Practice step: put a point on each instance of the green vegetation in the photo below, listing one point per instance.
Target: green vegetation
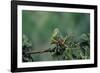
(49, 36)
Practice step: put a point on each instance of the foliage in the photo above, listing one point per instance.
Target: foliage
(70, 47)
(26, 46)
(61, 48)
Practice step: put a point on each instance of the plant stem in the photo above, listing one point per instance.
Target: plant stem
(42, 51)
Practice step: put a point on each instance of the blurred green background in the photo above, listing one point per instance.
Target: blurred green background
(38, 26)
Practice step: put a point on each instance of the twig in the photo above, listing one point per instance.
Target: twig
(42, 51)
(48, 50)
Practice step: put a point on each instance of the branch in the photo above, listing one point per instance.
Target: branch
(42, 51)
(47, 50)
